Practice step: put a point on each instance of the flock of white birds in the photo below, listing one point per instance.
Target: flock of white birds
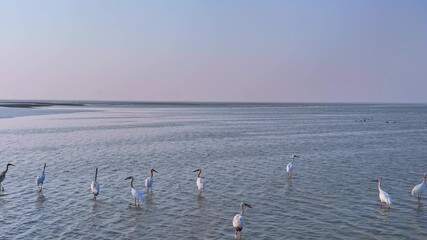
(383, 196)
(138, 195)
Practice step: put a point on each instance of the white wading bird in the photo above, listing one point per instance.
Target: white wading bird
(40, 179)
(419, 188)
(238, 219)
(384, 197)
(136, 193)
(94, 186)
(3, 175)
(200, 180)
(149, 180)
(290, 166)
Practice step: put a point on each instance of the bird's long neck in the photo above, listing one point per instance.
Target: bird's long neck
(131, 183)
(152, 173)
(7, 168)
(44, 168)
(425, 178)
(200, 172)
(379, 185)
(242, 210)
(96, 173)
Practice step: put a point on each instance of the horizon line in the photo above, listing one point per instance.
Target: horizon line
(198, 102)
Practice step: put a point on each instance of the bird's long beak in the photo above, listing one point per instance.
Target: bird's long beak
(247, 205)
(196, 170)
(12, 165)
(155, 171)
(128, 178)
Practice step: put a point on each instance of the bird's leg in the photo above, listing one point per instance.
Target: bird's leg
(135, 201)
(235, 234)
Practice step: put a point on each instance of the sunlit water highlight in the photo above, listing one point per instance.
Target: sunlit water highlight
(243, 152)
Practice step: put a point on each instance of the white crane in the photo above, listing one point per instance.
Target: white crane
(40, 179)
(149, 181)
(290, 166)
(384, 197)
(136, 193)
(200, 181)
(238, 220)
(94, 186)
(419, 188)
(3, 175)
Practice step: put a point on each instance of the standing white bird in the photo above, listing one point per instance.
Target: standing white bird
(40, 179)
(384, 197)
(149, 180)
(94, 186)
(290, 166)
(3, 175)
(419, 188)
(136, 193)
(238, 219)
(200, 181)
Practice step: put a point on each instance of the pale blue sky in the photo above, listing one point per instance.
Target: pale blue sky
(280, 51)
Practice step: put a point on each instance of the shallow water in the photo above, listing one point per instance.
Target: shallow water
(242, 150)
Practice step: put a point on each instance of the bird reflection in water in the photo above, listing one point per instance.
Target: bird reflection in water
(40, 199)
(201, 200)
(384, 213)
(149, 199)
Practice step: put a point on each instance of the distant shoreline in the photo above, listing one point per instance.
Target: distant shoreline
(150, 104)
(37, 104)
(66, 103)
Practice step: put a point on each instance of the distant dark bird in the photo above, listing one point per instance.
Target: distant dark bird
(419, 188)
(200, 181)
(3, 175)
(149, 181)
(40, 178)
(94, 186)
(238, 220)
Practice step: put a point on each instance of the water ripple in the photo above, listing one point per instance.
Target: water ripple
(243, 153)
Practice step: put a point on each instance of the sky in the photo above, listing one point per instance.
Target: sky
(220, 51)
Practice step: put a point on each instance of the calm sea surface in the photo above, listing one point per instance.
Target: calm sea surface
(243, 151)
